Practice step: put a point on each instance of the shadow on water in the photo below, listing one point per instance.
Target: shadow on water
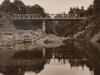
(84, 57)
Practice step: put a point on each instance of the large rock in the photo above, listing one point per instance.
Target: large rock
(96, 38)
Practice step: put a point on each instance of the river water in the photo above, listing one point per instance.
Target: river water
(71, 58)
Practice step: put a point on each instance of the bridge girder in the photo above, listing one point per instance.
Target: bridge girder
(49, 17)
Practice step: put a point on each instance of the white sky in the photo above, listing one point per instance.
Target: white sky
(57, 6)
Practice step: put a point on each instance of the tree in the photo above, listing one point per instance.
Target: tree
(97, 7)
(37, 9)
(19, 7)
(82, 11)
(71, 11)
(90, 10)
(28, 10)
(6, 6)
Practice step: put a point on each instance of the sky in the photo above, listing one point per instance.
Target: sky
(58, 6)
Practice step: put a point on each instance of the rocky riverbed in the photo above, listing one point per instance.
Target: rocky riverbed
(28, 36)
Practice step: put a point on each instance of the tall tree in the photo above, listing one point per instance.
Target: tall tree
(97, 7)
(71, 11)
(82, 11)
(90, 10)
(37, 9)
(6, 6)
(19, 7)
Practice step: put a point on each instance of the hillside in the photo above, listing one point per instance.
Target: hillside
(5, 24)
(91, 31)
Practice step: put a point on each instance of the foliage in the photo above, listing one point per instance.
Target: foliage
(6, 6)
(80, 12)
(97, 7)
(90, 10)
(18, 7)
(94, 9)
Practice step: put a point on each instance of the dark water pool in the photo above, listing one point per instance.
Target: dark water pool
(72, 58)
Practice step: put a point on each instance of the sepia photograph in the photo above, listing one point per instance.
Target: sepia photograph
(49, 37)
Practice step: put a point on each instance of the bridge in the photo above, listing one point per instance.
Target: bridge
(49, 17)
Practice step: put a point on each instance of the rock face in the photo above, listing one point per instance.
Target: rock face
(96, 37)
(50, 40)
(31, 37)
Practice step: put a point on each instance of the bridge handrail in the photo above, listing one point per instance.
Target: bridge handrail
(38, 16)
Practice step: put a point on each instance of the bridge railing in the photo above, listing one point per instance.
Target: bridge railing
(67, 16)
(50, 16)
(24, 16)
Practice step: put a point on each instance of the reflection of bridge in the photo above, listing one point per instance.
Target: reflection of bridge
(17, 62)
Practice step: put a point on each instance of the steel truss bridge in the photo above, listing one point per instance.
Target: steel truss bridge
(48, 17)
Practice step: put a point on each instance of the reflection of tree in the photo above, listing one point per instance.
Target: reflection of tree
(21, 69)
(77, 54)
(23, 61)
(92, 53)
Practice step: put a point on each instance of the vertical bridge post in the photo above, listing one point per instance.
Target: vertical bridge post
(43, 27)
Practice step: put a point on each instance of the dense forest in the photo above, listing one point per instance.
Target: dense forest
(18, 7)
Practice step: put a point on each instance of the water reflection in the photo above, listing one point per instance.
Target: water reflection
(72, 58)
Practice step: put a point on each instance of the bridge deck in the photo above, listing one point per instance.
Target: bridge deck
(83, 18)
(49, 17)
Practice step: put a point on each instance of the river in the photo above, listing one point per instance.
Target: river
(71, 58)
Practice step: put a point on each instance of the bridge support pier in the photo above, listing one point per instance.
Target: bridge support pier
(43, 27)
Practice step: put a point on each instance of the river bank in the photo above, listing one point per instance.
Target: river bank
(29, 36)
